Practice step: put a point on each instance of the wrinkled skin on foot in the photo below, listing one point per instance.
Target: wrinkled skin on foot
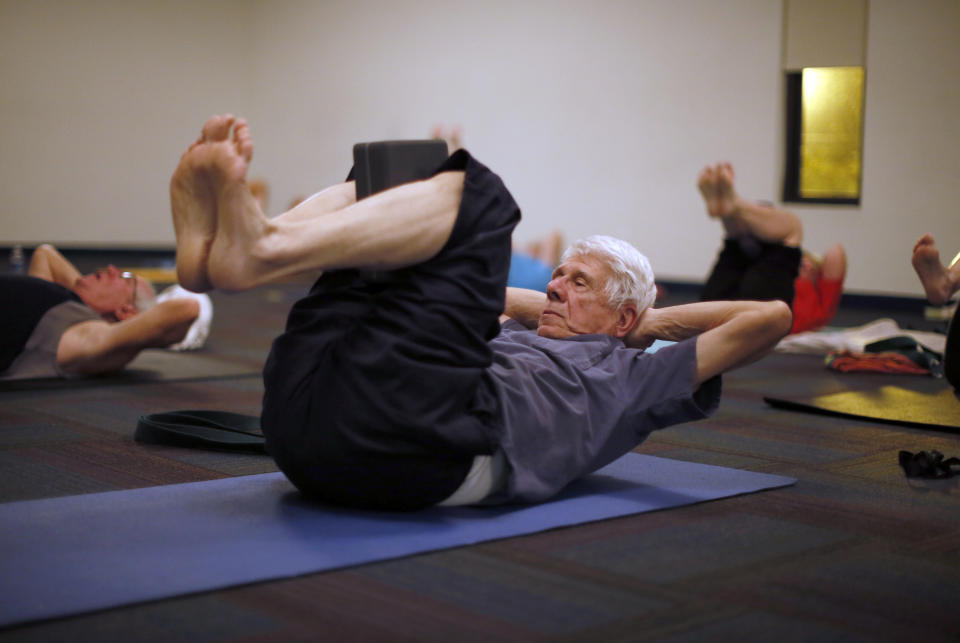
(938, 282)
(218, 158)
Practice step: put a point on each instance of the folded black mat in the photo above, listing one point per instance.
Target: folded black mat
(217, 430)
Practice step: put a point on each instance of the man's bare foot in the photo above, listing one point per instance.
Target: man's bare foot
(716, 186)
(237, 256)
(194, 206)
(707, 184)
(726, 196)
(935, 277)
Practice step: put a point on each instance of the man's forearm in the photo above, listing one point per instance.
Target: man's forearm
(677, 323)
(99, 347)
(730, 333)
(47, 263)
(525, 306)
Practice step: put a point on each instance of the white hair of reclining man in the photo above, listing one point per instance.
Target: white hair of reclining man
(632, 280)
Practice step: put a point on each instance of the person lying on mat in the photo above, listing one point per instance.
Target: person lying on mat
(939, 282)
(59, 323)
(395, 386)
(531, 267)
(762, 259)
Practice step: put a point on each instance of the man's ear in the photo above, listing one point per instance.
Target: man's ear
(627, 318)
(125, 311)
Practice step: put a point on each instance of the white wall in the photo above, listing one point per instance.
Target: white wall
(97, 101)
(911, 148)
(598, 115)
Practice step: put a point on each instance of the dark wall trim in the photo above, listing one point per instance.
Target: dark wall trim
(88, 259)
(691, 291)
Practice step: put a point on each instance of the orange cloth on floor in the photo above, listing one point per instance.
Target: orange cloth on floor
(851, 362)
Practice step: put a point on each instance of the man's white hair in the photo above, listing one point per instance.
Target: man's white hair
(632, 277)
(144, 295)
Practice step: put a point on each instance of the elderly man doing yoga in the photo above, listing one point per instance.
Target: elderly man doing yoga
(432, 383)
(57, 322)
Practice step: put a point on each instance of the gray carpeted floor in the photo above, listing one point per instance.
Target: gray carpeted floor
(854, 551)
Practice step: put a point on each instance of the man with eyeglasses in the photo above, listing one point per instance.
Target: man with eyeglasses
(57, 322)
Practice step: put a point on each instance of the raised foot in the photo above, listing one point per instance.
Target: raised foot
(238, 261)
(716, 186)
(726, 196)
(707, 184)
(215, 159)
(935, 278)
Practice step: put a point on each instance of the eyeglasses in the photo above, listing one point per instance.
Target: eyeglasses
(127, 277)
(130, 278)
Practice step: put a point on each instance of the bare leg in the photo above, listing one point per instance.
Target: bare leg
(551, 248)
(452, 137)
(398, 227)
(741, 216)
(547, 250)
(939, 282)
(326, 201)
(769, 223)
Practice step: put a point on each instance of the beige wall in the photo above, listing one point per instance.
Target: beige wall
(911, 147)
(99, 98)
(597, 115)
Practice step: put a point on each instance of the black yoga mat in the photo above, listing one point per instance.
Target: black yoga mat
(152, 365)
(930, 404)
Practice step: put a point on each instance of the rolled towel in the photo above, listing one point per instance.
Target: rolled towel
(200, 329)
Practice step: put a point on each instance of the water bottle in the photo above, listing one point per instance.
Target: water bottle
(16, 260)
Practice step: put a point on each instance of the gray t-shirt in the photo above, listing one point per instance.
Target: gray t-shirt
(39, 356)
(571, 406)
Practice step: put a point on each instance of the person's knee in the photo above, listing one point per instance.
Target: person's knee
(447, 185)
(793, 230)
(834, 263)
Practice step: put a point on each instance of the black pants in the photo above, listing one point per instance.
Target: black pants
(374, 395)
(748, 268)
(951, 354)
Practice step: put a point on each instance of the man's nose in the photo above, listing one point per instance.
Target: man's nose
(555, 289)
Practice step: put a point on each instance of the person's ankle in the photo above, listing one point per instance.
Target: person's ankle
(737, 205)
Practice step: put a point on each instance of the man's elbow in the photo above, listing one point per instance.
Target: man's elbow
(189, 308)
(187, 311)
(173, 320)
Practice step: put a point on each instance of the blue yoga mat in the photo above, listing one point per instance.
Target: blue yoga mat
(70, 555)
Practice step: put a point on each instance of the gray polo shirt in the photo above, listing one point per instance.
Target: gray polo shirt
(571, 406)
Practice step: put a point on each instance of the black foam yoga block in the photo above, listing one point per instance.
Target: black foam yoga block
(385, 164)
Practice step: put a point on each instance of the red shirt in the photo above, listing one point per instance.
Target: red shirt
(815, 304)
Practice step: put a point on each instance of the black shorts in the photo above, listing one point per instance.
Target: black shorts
(374, 395)
(748, 268)
(951, 353)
